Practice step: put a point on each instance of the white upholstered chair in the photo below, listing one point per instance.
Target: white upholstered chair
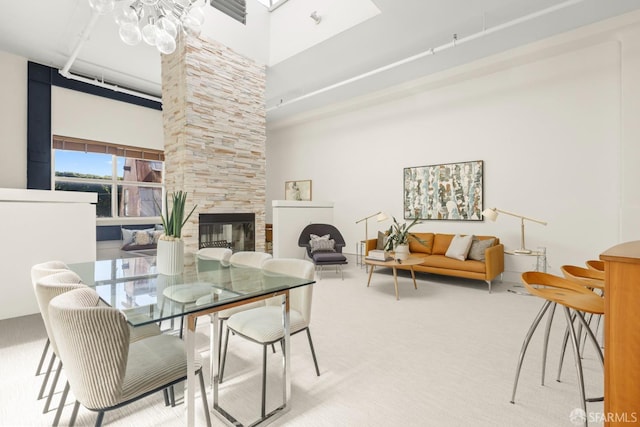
(238, 259)
(104, 369)
(189, 294)
(38, 271)
(47, 287)
(263, 325)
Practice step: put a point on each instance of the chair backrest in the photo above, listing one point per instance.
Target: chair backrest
(249, 258)
(222, 254)
(49, 287)
(45, 269)
(93, 342)
(320, 230)
(299, 298)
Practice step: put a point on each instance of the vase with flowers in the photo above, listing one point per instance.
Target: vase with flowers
(398, 238)
(170, 254)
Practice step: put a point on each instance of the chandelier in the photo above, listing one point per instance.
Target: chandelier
(157, 22)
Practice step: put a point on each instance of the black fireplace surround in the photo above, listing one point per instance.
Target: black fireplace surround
(235, 231)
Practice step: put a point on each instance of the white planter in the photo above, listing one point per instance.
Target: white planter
(401, 252)
(170, 257)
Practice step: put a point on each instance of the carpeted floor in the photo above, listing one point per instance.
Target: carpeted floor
(443, 355)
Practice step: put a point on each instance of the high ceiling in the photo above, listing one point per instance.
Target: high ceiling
(48, 32)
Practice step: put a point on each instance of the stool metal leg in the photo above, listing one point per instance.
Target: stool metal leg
(578, 363)
(525, 344)
(546, 340)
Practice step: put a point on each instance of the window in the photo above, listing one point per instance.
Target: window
(128, 180)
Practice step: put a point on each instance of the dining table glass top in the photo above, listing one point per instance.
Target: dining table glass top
(134, 286)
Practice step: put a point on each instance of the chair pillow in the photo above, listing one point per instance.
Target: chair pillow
(382, 241)
(324, 245)
(476, 251)
(459, 247)
(316, 237)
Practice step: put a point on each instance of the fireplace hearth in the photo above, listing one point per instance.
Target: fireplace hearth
(235, 231)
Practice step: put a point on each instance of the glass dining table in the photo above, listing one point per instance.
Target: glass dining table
(134, 286)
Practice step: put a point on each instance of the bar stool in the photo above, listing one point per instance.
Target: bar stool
(592, 279)
(595, 264)
(571, 296)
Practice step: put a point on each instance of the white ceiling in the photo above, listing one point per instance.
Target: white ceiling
(47, 32)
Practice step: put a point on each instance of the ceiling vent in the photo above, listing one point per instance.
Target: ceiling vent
(237, 9)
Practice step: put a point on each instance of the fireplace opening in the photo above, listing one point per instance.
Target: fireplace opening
(235, 231)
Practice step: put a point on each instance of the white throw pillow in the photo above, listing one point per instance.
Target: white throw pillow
(459, 247)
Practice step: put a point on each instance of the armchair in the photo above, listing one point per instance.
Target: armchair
(323, 254)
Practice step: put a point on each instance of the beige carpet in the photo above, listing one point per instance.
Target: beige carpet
(443, 355)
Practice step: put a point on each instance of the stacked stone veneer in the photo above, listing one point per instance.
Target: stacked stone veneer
(214, 131)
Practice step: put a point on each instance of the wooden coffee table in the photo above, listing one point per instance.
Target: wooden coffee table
(393, 264)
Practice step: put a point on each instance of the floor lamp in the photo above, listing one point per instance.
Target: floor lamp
(380, 216)
(492, 214)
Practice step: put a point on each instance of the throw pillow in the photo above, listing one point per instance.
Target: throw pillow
(316, 237)
(476, 251)
(142, 237)
(323, 245)
(459, 247)
(382, 241)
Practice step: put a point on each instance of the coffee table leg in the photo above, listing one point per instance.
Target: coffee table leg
(370, 273)
(413, 275)
(395, 281)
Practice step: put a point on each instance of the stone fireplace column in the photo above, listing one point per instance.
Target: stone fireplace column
(214, 132)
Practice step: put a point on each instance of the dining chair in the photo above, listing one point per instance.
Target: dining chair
(186, 294)
(263, 325)
(46, 288)
(38, 271)
(238, 260)
(570, 296)
(106, 371)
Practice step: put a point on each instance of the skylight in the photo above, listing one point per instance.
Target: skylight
(272, 4)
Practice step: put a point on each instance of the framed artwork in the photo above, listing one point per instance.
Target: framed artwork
(297, 190)
(452, 191)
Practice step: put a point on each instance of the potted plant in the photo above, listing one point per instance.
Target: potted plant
(170, 258)
(398, 238)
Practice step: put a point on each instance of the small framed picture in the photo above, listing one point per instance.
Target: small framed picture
(297, 190)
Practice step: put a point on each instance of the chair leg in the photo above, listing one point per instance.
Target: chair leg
(224, 356)
(99, 419)
(264, 380)
(578, 363)
(46, 375)
(546, 341)
(43, 357)
(525, 344)
(313, 352)
(220, 331)
(63, 399)
(74, 414)
(52, 389)
(203, 392)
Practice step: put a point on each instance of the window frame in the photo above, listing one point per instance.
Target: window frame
(116, 151)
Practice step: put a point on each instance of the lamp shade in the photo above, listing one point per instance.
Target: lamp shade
(490, 214)
(382, 217)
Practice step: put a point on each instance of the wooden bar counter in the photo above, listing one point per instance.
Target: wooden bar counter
(622, 334)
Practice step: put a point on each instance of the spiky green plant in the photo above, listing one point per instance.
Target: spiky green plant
(173, 219)
(398, 234)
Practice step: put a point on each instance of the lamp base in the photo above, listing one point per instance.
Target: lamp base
(522, 251)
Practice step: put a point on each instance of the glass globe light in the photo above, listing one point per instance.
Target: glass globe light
(165, 42)
(102, 6)
(130, 34)
(197, 14)
(190, 26)
(150, 33)
(168, 25)
(149, 2)
(125, 14)
(184, 3)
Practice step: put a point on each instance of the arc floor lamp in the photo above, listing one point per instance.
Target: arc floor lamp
(492, 214)
(380, 216)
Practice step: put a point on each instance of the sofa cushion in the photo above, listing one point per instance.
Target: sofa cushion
(441, 261)
(459, 247)
(478, 246)
(417, 247)
(441, 243)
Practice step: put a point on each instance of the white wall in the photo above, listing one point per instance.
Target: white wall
(549, 130)
(13, 121)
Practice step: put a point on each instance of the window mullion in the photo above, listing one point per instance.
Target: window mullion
(114, 186)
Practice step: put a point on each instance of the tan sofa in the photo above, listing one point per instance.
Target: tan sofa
(436, 262)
